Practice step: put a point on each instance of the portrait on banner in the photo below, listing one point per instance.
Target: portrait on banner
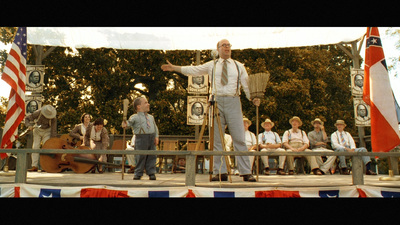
(361, 113)
(34, 78)
(357, 82)
(32, 103)
(198, 84)
(196, 109)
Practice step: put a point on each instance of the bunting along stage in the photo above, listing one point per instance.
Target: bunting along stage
(99, 191)
(378, 95)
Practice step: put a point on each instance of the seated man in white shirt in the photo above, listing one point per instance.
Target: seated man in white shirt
(270, 141)
(343, 141)
(131, 158)
(296, 140)
(250, 138)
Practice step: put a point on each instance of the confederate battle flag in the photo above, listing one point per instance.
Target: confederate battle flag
(378, 94)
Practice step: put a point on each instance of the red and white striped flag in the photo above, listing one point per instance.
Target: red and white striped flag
(378, 94)
(15, 75)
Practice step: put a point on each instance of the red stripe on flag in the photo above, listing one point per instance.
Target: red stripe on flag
(389, 137)
(15, 75)
(377, 93)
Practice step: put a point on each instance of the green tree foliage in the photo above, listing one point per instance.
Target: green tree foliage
(307, 82)
(6, 37)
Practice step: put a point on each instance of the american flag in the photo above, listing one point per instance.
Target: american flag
(15, 75)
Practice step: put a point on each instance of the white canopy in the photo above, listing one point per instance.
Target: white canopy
(190, 38)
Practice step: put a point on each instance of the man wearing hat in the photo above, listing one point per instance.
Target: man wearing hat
(43, 122)
(250, 138)
(343, 141)
(270, 141)
(318, 143)
(296, 140)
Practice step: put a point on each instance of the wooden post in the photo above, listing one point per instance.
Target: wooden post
(357, 170)
(394, 165)
(197, 127)
(21, 170)
(190, 171)
(356, 65)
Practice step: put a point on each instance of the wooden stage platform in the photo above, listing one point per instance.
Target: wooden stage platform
(71, 179)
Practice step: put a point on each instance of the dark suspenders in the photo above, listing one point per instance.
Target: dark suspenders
(237, 67)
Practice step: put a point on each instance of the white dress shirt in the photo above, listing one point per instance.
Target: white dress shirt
(299, 136)
(250, 138)
(269, 137)
(336, 140)
(222, 90)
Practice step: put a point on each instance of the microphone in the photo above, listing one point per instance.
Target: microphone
(214, 53)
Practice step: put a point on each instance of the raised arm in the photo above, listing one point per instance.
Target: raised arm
(170, 67)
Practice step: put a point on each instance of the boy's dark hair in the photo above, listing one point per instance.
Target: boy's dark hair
(136, 102)
(99, 121)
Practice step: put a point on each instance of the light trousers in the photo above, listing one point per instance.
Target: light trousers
(40, 136)
(342, 159)
(265, 158)
(290, 159)
(230, 109)
(131, 158)
(324, 166)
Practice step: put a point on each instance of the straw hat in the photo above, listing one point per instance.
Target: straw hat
(49, 111)
(296, 118)
(338, 122)
(267, 121)
(246, 120)
(317, 120)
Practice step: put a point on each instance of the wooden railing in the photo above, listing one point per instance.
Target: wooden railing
(190, 172)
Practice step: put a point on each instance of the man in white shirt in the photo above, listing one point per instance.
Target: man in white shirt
(343, 141)
(250, 139)
(296, 140)
(132, 160)
(270, 141)
(230, 75)
(228, 148)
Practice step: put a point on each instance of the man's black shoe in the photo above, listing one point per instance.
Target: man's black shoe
(249, 178)
(224, 177)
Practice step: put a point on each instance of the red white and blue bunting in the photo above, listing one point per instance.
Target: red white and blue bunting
(98, 191)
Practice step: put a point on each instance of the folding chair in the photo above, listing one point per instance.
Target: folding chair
(167, 145)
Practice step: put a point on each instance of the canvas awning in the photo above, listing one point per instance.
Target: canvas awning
(191, 38)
